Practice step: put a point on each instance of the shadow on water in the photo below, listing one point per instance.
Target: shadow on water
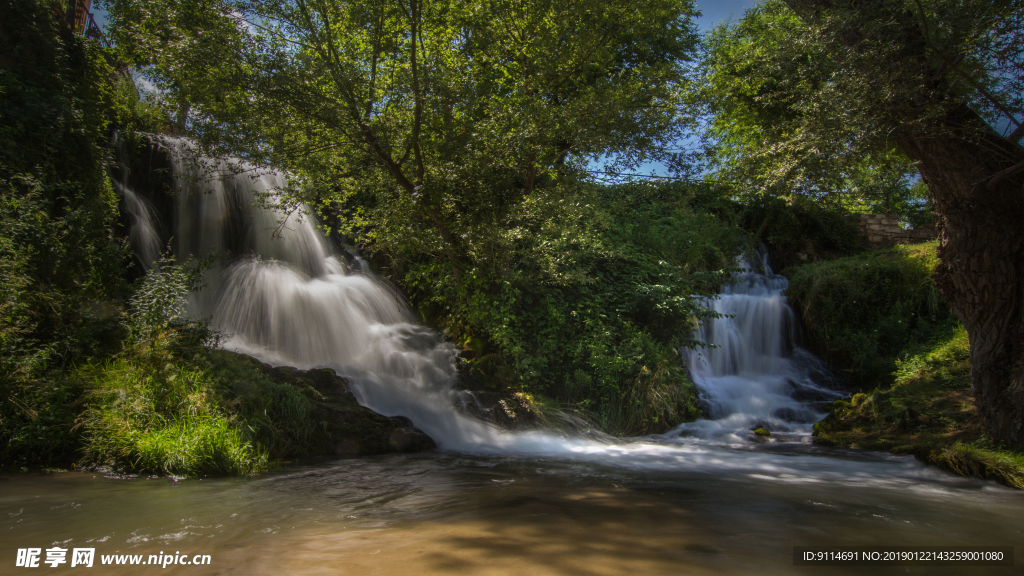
(443, 513)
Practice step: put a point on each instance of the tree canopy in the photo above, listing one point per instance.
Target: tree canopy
(450, 140)
(449, 104)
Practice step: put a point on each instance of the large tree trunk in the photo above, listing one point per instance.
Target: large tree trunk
(976, 180)
(981, 270)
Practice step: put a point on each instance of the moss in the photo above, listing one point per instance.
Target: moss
(928, 412)
(763, 432)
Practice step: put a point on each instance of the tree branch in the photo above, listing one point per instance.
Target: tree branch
(994, 182)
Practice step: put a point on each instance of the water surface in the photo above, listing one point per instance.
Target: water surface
(443, 513)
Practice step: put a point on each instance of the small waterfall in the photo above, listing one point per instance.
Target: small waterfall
(143, 235)
(285, 294)
(752, 374)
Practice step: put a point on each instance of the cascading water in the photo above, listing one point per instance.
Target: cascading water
(287, 296)
(143, 235)
(752, 375)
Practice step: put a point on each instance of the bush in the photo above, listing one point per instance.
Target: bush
(799, 229)
(585, 298)
(929, 412)
(862, 312)
(161, 296)
(163, 419)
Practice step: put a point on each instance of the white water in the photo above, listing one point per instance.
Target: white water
(288, 297)
(753, 375)
(143, 235)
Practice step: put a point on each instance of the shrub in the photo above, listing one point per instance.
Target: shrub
(168, 419)
(161, 296)
(862, 312)
(586, 298)
(799, 228)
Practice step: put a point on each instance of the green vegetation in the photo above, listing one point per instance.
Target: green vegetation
(173, 405)
(799, 229)
(755, 83)
(453, 149)
(863, 312)
(453, 143)
(593, 303)
(879, 317)
(929, 411)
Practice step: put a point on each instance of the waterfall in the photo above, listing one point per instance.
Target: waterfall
(143, 235)
(285, 294)
(752, 374)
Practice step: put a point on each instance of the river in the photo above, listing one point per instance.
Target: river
(710, 497)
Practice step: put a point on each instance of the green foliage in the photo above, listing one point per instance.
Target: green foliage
(861, 312)
(756, 79)
(448, 140)
(163, 419)
(57, 208)
(929, 412)
(173, 406)
(37, 420)
(797, 106)
(799, 229)
(135, 111)
(587, 298)
(160, 298)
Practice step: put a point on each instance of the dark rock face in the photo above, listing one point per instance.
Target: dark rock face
(350, 429)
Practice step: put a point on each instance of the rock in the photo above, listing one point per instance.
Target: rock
(341, 425)
(795, 415)
(410, 439)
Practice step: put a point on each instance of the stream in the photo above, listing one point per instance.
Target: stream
(709, 497)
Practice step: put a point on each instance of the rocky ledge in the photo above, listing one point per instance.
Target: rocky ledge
(346, 427)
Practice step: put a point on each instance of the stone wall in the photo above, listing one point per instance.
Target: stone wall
(883, 230)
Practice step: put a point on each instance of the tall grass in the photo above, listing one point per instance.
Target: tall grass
(164, 419)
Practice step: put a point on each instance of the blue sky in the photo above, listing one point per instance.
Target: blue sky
(712, 11)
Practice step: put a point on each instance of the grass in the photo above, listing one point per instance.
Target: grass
(928, 412)
(152, 411)
(862, 312)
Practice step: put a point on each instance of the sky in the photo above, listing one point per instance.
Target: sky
(713, 11)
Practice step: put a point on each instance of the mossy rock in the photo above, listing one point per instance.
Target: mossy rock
(512, 411)
(340, 424)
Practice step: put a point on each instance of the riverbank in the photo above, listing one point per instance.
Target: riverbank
(172, 405)
(928, 412)
(879, 319)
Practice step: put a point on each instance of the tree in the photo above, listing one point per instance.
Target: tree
(58, 212)
(935, 78)
(449, 139)
(450, 104)
(763, 83)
